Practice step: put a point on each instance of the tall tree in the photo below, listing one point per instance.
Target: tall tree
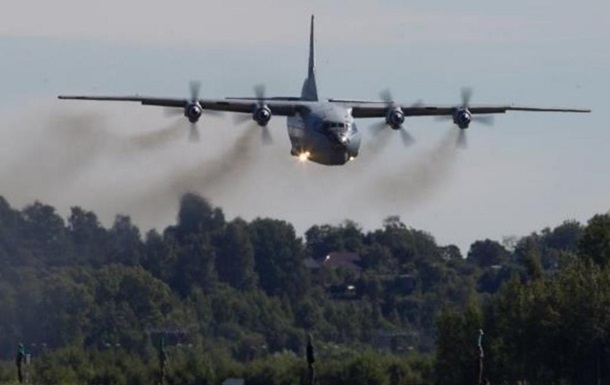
(457, 354)
(125, 244)
(197, 216)
(235, 256)
(46, 233)
(488, 253)
(88, 237)
(595, 242)
(278, 256)
(158, 257)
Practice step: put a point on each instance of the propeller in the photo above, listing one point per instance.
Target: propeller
(386, 97)
(259, 93)
(466, 93)
(197, 111)
(462, 140)
(194, 87)
(466, 116)
(487, 120)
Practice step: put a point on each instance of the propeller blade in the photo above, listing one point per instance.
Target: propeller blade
(194, 133)
(407, 138)
(462, 141)
(386, 96)
(266, 135)
(259, 92)
(487, 120)
(466, 96)
(194, 86)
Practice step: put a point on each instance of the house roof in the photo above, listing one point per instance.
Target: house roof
(341, 259)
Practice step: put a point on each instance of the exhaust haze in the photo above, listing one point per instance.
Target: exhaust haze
(141, 168)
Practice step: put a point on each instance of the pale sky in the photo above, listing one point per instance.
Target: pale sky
(526, 172)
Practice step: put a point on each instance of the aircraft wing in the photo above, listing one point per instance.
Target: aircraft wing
(379, 109)
(279, 107)
(288, 106)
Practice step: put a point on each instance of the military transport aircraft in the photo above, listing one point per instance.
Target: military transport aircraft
(324, 131)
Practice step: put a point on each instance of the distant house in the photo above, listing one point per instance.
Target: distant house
(342, 260)
(319, 269)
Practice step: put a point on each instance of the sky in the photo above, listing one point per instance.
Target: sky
(526, 172)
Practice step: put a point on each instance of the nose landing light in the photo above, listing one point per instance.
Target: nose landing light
(304, 156)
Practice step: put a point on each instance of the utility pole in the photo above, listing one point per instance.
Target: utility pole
(311, 360)
(163, 359)
(20, 361)
(481, 356)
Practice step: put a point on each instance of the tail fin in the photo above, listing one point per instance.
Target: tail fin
(310, 89)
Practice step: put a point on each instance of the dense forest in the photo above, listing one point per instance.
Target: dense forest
(232, 298)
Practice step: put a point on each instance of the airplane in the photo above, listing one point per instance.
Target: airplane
(324, 132)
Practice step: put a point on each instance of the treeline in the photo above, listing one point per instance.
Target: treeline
(210, 281)
(233, 297)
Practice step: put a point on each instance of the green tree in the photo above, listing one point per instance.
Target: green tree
(159, 257)
(235, 256)
(488, 253)
(194, 266)
(11, 223)
(456, 345)
(595, 242)
(67, 306)
(88, 236)
(278, 256)
(46, 234)
(124, 242)
(196, 216)
(564, 237)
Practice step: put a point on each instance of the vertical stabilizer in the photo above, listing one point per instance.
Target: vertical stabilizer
(312, 61)
(310, 89)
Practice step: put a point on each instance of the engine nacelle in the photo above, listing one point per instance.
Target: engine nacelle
(462, 118)
(395, 118)
(262, 115)
(193, 112)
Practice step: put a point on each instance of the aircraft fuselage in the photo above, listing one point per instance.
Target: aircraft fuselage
(324, 133)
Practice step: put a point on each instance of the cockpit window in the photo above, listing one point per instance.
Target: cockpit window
(334, 125)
